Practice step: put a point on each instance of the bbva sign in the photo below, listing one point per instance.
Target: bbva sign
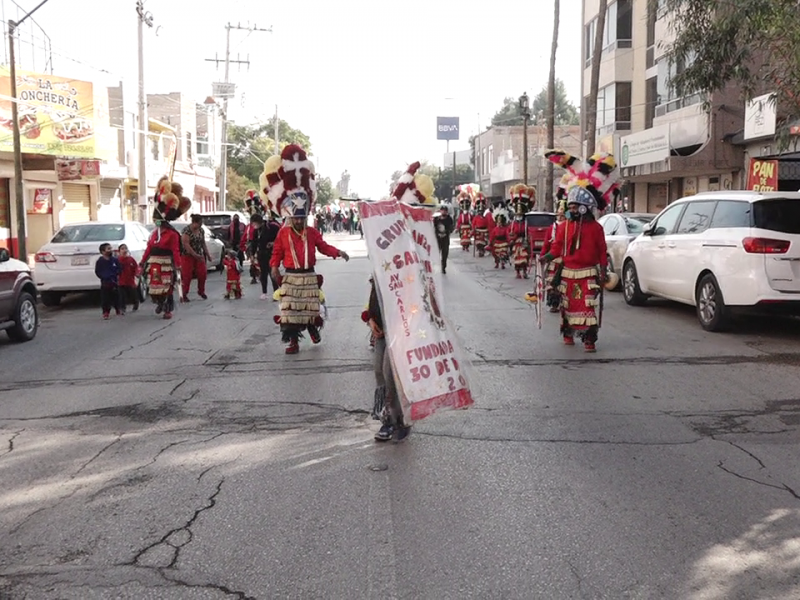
(446, 128)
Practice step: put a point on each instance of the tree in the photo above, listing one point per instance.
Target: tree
(250, 146)
(326, 192)
(551, 106)
(566, 113)
(752, 43)
(509, 115)
(443, 180)
(594, 82)
(237, 189)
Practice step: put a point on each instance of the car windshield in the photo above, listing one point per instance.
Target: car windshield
(94, 232)
(540, 220)
(781, 215)
(216, 220)
(636, 224)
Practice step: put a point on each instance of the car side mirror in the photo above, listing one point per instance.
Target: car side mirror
(4, 256)
(647, 229)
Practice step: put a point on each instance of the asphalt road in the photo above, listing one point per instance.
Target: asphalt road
(141, 458)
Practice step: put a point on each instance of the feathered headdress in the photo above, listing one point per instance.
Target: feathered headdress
(598, 175)
(169, 204)
(415, 188)
(253, 203)
(479, 203)
(498, 212)
(294, 189)
(522, 198)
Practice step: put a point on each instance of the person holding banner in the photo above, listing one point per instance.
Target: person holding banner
(295, 248)
(580, 241)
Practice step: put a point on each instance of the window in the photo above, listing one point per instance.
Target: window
(668, 219)
(696, 217)
(623, 104)
(636, 224)
(104, 232)
(202, 145)
(652, 12)
(540, 220)
(610, 225)
(651, 99)
(589, 33)
(614, 106)
(188, 146)
(731, 214)
(667, 96)
(781, 215)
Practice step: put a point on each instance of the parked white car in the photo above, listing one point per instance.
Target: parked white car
(621, 229)
(215, 246)
(65, 264)
(720, 251)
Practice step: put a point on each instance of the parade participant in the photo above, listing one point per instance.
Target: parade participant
(254, 207)
(480, 227)
(233, 276)
(464, 222)
(580, 241)
(522, 197)
(499, 239)
(162, 256)
(235, 234)
(295, 248)
(443, 226)
(108, 269)
(553, 296)
(194, 258)
(264, 235)
(128, 281)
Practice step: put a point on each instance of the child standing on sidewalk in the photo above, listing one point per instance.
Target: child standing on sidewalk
(107, 268)
(233, 273)
(128, 284)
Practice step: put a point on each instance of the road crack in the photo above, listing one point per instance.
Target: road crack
(13, 437)
(556, 440)
(779, 486)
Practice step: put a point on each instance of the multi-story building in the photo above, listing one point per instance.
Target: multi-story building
(499, 158)
(667, 146)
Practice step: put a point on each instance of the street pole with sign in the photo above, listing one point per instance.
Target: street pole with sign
(525, 111)
(19, 192)
(447, 129)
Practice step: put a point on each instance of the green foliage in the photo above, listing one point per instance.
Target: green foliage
(237, 189)
(326, 192)
(754, 44)
(442, 178)
(250, 146)
(565, 113)
(509, 114)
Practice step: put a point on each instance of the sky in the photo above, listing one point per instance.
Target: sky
(364, 79)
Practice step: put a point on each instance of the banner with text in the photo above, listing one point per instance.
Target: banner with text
(763, 175)
(427, 359)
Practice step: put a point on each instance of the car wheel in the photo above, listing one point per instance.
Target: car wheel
(26, 319)
(51, 298)
(630, 286)
(611, 269)
(711, 310)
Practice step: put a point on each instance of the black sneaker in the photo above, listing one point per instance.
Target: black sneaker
(402, 434)
(385, 433)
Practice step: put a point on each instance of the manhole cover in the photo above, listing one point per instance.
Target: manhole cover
(380, 467)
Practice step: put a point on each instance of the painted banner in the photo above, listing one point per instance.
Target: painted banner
(57, 115)
(42, 202)
(763, 175)
(77, 170)
(428, 361)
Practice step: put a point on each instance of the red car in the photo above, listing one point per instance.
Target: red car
(539, 225)
(18, 314)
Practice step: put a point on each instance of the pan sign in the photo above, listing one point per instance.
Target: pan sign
(763, 176)
(446, 128)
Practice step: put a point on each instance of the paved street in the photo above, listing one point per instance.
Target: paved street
(192, 459)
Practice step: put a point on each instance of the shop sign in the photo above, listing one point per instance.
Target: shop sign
(760, 117)
(649, 146)
(77, 170)
(428, 360)
(57, 115)
(762, 175)
(42, 202)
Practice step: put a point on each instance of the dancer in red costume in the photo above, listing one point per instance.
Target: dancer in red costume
(522, 198)
(499, 239)
(464, 222)
(480, 226)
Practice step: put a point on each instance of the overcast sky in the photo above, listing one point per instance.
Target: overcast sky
(365, 79)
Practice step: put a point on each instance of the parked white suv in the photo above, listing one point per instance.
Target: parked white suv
(719, 251)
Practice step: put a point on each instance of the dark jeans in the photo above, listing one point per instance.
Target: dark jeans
(444, 248)
(266, 275)
(129, 294)
(392, 413)
(109, 297)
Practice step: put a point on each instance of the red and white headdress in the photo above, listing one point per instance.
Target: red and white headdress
(296, 174)
(415, 188)
(598, 175)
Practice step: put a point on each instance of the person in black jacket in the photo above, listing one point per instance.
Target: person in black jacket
(444, 226)
(387, 406)
(264, 235)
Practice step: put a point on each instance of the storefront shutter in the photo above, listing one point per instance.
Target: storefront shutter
(107, 194)
(78, 202)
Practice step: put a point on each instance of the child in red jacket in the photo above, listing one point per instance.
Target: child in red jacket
(233, 274)
(128, 279)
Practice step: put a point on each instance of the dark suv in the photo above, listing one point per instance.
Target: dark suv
(18, 314)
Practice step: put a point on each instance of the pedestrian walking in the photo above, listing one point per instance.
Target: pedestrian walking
(108, 268)
(194, 256)
(233, 276)
(264, 235)
(128, 280)
(443, 226)
(235, 234)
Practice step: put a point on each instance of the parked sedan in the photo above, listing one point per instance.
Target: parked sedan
(65, 264)
(18, 314)
(620, 230)
(720, 251)
(215, 246)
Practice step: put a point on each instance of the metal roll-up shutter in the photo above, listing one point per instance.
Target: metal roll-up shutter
(107, 194)
(77, 202)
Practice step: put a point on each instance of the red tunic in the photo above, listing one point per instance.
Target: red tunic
(170, 241)
(464, 220)
(549, 239)
(517, 230)
(129, 267)
(282, 253)
(591, 247)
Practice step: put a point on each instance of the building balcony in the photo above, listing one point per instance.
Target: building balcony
(509, 170)
(688, 125)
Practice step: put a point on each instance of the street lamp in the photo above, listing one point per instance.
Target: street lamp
(22, 234)
(525, 111)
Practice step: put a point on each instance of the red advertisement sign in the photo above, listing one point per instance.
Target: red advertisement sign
(42, 202)
(763, 175)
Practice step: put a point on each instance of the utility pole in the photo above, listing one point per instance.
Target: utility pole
(226, 94)
(145, 18)
(19, 191)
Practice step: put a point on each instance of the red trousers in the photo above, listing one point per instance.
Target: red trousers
(192, 267)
